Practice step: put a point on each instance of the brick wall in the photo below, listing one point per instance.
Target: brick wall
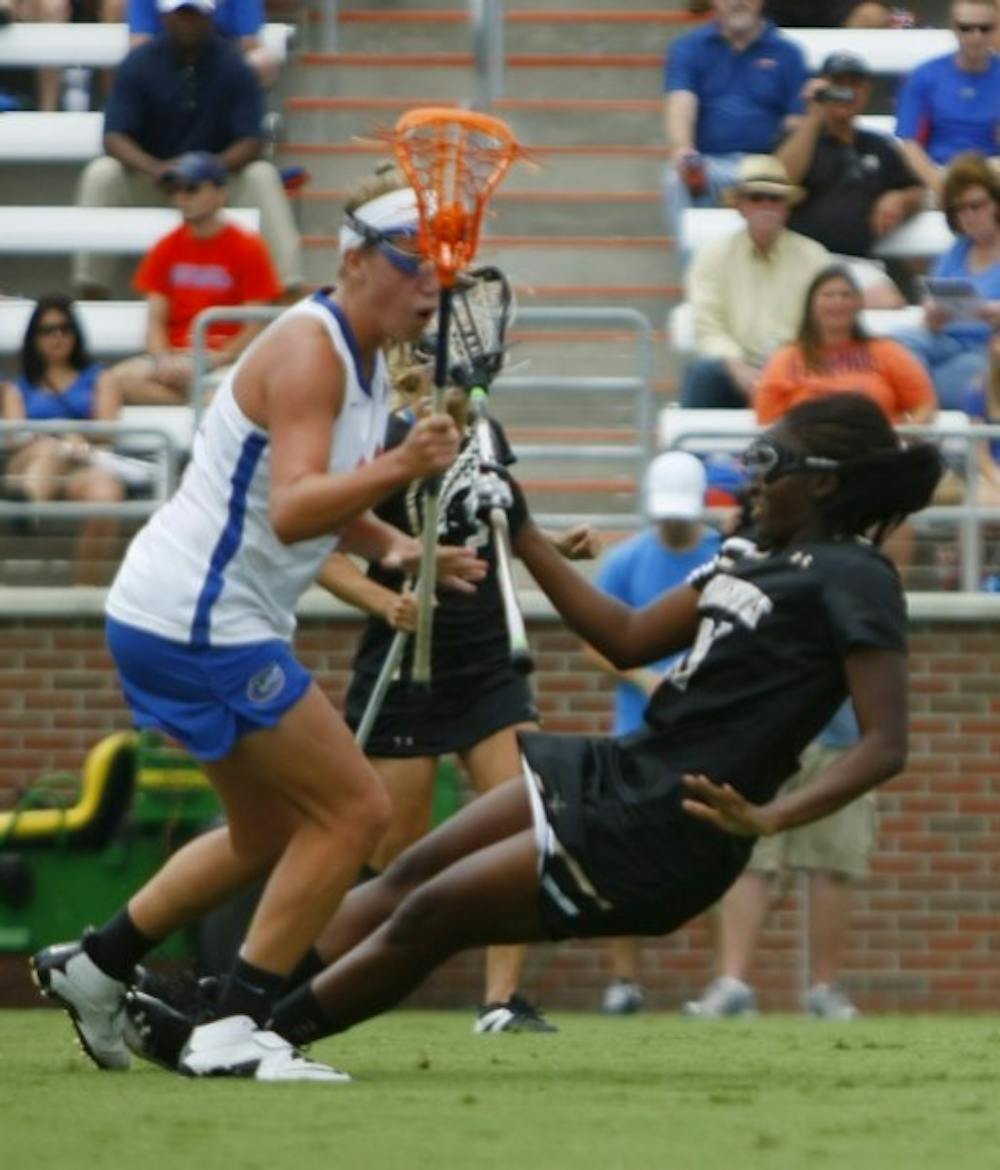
(926, 929)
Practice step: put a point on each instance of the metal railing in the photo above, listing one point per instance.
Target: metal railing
(486, 21)
(968, 517)
(241, 314)
(135, 446)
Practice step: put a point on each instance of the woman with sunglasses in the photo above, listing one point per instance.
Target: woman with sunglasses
(58, 381)
(833, 353)
(286, 467)
(638, 835)
(953, 346)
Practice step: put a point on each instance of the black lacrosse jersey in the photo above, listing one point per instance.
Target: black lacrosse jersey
(469, 635)
(765, 672)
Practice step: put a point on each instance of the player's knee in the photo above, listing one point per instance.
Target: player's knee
(420, 920)
(411, 868)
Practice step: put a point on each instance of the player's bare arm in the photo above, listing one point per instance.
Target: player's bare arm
(293, 385)
(626, 637)
(877, 683)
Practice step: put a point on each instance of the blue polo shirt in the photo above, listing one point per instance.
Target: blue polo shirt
(168, 108)
(948, 110)
(743, 98)
(955, 263)
(233, 18)
(636, 572)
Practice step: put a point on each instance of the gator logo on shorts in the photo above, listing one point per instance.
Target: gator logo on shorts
(266, 684)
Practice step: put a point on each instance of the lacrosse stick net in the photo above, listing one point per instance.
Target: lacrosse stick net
(453, 160)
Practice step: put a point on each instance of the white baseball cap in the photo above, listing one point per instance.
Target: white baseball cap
(674, 487)
(205, 6)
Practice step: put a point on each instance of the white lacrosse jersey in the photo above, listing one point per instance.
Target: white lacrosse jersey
(207, 569)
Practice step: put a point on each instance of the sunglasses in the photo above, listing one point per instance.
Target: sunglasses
(52, 330)
(762, 197)
(408, 263)
(974, 26)
(767, 461)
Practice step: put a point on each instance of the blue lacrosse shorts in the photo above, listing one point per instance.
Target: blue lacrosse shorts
(206, 697)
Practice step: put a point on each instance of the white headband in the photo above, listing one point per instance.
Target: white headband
(394, 213)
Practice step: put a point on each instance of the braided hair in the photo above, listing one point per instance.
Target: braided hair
(881, 480)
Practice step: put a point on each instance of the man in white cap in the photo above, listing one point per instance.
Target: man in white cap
(635, 572)
(748, 289)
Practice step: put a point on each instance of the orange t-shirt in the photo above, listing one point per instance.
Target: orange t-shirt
(881, 368)
(230, 268)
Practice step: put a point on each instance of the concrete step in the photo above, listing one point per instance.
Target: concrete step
(535, 122)
(597, 260)
(529, 30)
(392, 73)
(611, 167)
(518, 213)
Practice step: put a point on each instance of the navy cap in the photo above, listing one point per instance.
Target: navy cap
(197, 166)
(845, 65)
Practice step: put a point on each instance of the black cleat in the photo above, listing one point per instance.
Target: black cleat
(154, 1030)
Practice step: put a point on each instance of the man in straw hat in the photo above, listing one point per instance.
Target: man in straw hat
(748, 288)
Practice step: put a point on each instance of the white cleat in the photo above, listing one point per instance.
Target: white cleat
(95, 1002)
(236, 1047)
(725, 996)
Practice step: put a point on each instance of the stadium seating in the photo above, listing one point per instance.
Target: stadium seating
(878, 322)
(925, 234)
(112, 328)
(37, 231)
(888, 51)
(94, 45)
(30, 137)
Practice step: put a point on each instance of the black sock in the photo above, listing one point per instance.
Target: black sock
(250, 991)
(309, 965)
(300, 1018)
(117, 946)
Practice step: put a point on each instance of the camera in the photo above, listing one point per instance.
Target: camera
(835, 93)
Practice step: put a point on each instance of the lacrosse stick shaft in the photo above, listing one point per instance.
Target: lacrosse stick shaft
(517, 636)
(377, 697)
(428, 576)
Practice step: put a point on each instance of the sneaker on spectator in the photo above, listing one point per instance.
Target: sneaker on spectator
(66, 974)
(622, 997)
(724, 996)
(827, 1001)
(516, 1015)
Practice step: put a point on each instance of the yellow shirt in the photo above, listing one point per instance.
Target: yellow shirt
(746, 302)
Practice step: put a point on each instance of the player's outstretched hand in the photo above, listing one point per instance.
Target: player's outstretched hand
(722, 806)
(458, 568)
(430, 445)
(579, 543)
(401, 612)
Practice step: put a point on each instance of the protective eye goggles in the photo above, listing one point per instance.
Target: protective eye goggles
(767, 461)
(408, 263)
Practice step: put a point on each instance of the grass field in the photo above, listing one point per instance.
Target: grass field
(604, 1094)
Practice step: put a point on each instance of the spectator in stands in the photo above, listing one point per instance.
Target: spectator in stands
(858, 185)
(832, 354)
(239, 20)
(747, 289)
(835, 852)
(731, 86)
(636, 572)
(207, 261)
(59, 381)
(953, 347)
(42, 12)
(982, 405)
(187, 89)
(951, 104)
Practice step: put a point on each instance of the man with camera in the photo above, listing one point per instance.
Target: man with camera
(858, 185)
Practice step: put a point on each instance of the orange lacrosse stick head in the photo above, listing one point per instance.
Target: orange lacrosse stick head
(453, 160)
